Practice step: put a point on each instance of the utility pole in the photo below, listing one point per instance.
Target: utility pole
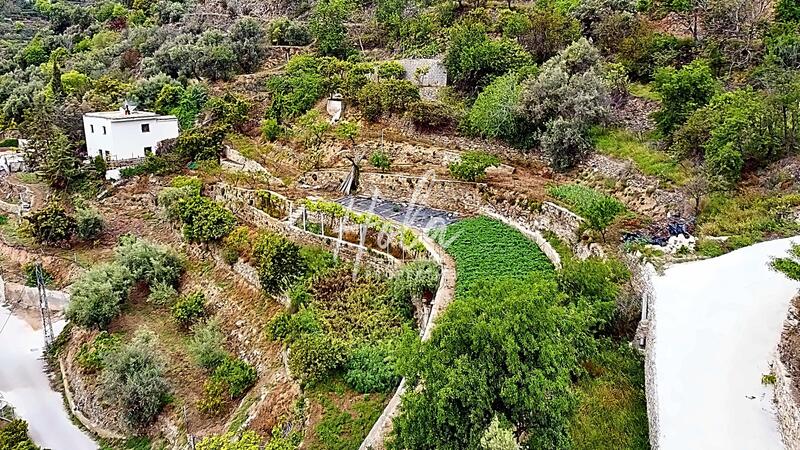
(47, 323)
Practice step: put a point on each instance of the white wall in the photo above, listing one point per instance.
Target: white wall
(124, 138)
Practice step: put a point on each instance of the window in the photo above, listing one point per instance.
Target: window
(91, 128)
(145, 128)
(148, 151)
(104, 129)
(108, 155)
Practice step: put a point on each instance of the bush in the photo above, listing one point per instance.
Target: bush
(14, 436)
(682, 92)
(279, 262)
(204, 220)
(98, 295)
(149, 262)
(51, 225)
(133, 379)
(236, 375)
(494, 113)
(564, 143)
(416, 280)
(271, 129)
(386, 96)
(89, 223)
(428, 115)
(190, 184)
(380, 160)
(169, 198)
(596, 282)
(213, 397)
(189, 309)
(598, 209)
(472, 166)
(314, 356)
(162, 294)
(248, 440)
(91, 355)
(207, 346)
(290, 327)
(371, 369)
(29, 270)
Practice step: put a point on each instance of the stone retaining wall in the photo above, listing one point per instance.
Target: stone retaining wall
(94, 428)
(240, 200)
(787, 396)
(427, 190)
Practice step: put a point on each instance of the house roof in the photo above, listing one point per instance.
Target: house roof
(118, 116)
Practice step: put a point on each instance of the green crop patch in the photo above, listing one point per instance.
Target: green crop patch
(485, 249)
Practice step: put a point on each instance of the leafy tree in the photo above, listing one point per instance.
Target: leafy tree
(314, 356)
(56, 87)
(148, 262)
(97, 297)
(787, 10)
(431, 115)
(498, 437)
(204, 220)
(499, 350)
(327, 26)
(14, 436)
(565, 142)
(59, 164)
(133, 379)
(601, 213)
(549, 32)
(75, 83)
(279, 262)
(249, 44)
(473, 59)
(295, 92)
(495, 112)
(682, 91)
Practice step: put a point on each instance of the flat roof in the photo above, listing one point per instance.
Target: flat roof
(134, 115)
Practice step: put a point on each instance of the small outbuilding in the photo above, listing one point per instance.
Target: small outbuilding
(126, 135)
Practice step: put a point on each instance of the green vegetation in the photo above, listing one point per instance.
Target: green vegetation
(483, 248)
(14, 436)
(189, 309)
(789, 265)
(472, 166)
(649, 161)
(598, 209)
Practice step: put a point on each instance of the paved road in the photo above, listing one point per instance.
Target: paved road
(718, 324)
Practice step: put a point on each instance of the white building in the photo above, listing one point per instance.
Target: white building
(126, 135)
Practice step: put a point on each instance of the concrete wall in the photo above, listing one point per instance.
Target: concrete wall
(787, 395)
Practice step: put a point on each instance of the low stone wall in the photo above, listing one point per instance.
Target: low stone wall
(94, 428)
(787, 396)
(427, 190)
(240, 201)
(641, 279)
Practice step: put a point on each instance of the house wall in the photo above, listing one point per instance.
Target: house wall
(125, 139)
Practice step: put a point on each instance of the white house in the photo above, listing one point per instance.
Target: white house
(126, 135)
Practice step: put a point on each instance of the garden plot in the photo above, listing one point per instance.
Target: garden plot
(718, 324)
(409, 214)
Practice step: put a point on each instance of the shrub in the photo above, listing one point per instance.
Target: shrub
(598, 209)
(236, 375)
(279, 262)
(271, 129)
(371, 369)
(314, 356)
(428, 115)
(596, 282)
(494, 113)
(162, 294)
(89, 223)
(169, 198)
(133, 379)
(682, 92)
(29, 270)
(204, 220)
(207, 346)
(91, 355)
(213, 397)
(191, 184)
(564, 143)
(248, 440)
(287, 32)
(148, 262)
(472, 166)
(380, 160)
(290, 327)
(98, 295)
(14, 436)
(415, 281)
(51, 225)
(189, 309)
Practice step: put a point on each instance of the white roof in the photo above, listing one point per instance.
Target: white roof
(134, 115)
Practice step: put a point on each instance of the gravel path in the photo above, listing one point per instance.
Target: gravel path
(718, 325)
